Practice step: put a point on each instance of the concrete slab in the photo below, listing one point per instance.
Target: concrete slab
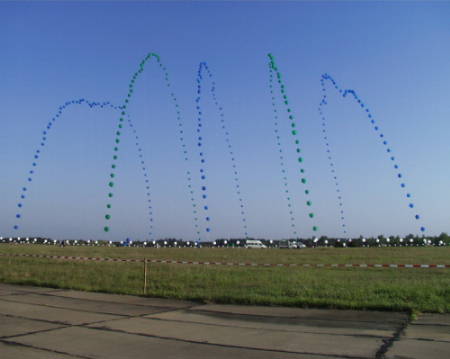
(111, 345)
(14, 326)
(126, 299)
(418, 349)
(275, 324)
(311, 314)
(13, 351)
(64, 316)
(250, 337)
(38, 317)
(435, 319)
(82, 305)
(429, 332)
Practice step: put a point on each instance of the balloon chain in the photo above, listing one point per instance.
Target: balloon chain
(174, 100)
(281, 156)
(331, 161)
(202, 153)
(376, 128)
(145, 174)
(273, 68)
(45, 134)
(203, 67)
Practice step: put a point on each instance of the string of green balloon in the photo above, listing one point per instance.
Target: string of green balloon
(273, 68)
(121, 119)
(282, 157)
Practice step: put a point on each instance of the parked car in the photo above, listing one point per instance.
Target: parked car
(254, 243)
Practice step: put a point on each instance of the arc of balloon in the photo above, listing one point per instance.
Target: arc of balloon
(284, 171)
(294, 132)
(375, 127)
(180, 125)
(204, 69)
(45, 135)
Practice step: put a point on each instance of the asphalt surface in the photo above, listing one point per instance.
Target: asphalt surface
(44, 323)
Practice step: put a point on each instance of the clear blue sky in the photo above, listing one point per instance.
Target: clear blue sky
(395, 55)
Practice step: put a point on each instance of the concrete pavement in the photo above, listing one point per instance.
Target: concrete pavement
(45, 323)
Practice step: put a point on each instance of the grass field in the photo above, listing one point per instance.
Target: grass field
(354, 288)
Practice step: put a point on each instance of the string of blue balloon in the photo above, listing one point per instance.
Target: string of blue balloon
(45, 135)
(203, 69)
(146, 177)
(377, 130)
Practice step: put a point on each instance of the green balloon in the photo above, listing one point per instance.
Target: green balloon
(107, 216)
(106, 229)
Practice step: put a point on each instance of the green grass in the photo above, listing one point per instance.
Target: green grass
(426, 290)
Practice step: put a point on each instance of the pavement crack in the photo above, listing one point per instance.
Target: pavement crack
(35, 319)
(113, 302)
(9, 342)
(262, 316)
(388, 343)
(265, 329)
(33, 332)
(432, 324)
(65, 308)
(431, 340)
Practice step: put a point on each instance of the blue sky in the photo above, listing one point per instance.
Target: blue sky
(395, 55)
